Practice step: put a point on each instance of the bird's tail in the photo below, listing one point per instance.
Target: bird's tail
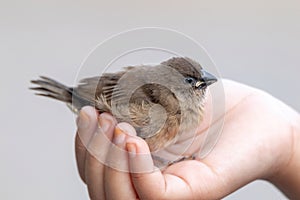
(50, 88)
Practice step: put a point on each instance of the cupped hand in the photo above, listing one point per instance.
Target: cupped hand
(256, 143)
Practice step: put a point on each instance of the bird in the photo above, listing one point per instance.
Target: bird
(160, 101)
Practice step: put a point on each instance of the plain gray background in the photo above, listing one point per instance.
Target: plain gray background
(254, 42)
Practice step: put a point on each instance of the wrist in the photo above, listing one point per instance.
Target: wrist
(287, 178)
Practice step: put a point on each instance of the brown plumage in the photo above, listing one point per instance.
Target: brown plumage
(160, 102)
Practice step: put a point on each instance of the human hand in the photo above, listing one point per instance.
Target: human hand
(256, 143)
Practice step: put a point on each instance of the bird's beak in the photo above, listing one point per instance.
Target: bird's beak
(207, 79)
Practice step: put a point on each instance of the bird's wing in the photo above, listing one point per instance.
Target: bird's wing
(100, 90)
(132, 98)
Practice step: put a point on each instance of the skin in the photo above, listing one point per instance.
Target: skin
(260, 140)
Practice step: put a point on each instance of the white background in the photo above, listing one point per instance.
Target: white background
(255, 42)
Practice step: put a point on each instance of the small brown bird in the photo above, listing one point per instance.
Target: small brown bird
(161, 102)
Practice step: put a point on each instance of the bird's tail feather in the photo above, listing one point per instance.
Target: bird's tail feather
(50, 88)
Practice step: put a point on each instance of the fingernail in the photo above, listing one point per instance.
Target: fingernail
(104, 122)
(83, 120)
(131, 148)
(119, 136)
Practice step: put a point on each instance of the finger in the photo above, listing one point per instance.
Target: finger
(96, 156)
(87, 123)
(117, 179)
(148, 181)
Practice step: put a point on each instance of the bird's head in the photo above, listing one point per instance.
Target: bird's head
(193, 74)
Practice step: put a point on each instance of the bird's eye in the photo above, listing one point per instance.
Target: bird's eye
(190, 80)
